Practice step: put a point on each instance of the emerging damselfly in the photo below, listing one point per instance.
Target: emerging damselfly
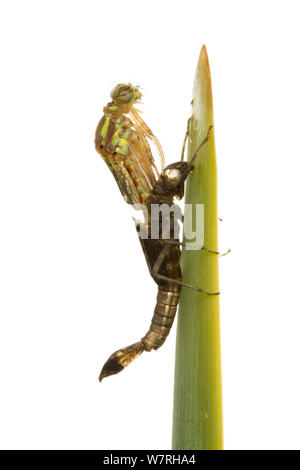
(122, 141)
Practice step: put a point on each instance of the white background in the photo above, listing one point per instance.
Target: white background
(74, 283)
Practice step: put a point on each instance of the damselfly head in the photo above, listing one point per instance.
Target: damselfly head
(125, 94)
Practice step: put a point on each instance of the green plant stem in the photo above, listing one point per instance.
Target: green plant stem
(197, 414)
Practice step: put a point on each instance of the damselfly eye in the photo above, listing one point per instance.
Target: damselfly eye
(173, 176)
(124, 94)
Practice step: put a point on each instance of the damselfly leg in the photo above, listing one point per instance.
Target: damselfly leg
(176, 242)
(157, 265)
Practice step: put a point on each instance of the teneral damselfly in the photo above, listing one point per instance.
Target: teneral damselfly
(122, 141)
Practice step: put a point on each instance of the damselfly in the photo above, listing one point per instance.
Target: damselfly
(122, 141)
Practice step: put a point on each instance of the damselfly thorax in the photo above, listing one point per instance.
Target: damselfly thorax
(121, 139)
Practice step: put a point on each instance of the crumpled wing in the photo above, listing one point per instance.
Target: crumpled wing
(132, 164)
(140, 154)
(135, 175)
(145, 131)
(124, 181)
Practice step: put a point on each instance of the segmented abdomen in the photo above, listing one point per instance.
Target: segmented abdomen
(163, 318)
